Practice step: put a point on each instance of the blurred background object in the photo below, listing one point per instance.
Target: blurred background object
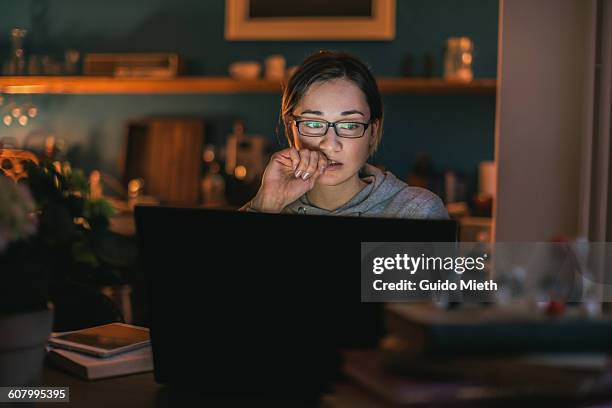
(72, 58)
(245, 70)
(275, 67)
(166, 154)
(17, 63)
(147, 65)
(245, 156)
(213, 183)
(11, 163)
(424, 174)
(458, 59)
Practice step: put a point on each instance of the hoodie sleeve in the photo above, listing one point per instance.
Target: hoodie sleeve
(436, 209)
(423, 204)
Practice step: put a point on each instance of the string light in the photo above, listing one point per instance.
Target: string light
(17, 114)
(240, 172)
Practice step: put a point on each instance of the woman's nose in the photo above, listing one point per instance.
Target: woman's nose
(330, 141)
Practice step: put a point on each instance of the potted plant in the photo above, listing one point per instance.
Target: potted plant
(25, 314)
(53, 241)
(74, 240)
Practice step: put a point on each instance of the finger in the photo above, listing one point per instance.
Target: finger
(295, 158)
(322, 165)
(323, 162)
(304, 161)
(312, 165)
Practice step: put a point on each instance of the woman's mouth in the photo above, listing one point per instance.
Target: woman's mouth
(333, 165)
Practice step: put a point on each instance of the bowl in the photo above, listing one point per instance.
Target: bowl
(245, 70)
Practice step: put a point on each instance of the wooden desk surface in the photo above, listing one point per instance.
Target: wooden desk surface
(139, 390)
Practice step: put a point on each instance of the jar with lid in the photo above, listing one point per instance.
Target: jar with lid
(458, 59)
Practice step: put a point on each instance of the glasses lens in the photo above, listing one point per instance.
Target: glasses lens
(312, 128)
(350, 129)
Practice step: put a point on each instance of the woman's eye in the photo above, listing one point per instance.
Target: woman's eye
(314, 125)
(348, 125)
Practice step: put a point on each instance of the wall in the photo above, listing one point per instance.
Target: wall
(542, 96)
(457, 131)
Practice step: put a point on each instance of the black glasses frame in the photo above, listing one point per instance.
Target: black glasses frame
(331, 124)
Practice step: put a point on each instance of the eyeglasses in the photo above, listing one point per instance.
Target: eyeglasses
(318, 128)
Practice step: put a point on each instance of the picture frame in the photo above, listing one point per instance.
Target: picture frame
(371, 20)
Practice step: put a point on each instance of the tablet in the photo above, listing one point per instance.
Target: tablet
(103, 341)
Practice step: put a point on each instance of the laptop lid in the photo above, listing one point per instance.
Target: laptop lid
(244, 302)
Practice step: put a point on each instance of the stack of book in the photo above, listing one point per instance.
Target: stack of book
(434, 357)
(100, 352)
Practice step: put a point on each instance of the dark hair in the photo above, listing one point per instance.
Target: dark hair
(325, 66)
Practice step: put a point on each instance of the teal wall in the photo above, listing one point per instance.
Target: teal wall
(457, 131)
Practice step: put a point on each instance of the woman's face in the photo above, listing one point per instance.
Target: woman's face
(333, 101)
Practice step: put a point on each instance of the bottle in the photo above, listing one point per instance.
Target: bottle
(234, 142)
(17, 63)
(213, 183)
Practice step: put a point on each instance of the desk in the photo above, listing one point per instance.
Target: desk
(138, 390)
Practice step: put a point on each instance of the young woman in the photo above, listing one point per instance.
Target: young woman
(332, 112)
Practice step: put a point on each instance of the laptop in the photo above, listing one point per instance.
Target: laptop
(245, 303)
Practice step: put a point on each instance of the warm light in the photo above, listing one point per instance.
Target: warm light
(7, 120)
(240, 172)
(49, 145)
(134, 187)
(16, 112)
(466, 58)
(94, 177)
(18, 167)
(32, 112)
(23, 120)
(209, 155)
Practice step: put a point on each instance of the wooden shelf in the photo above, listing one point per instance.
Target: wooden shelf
(216, 85)
(436, 86)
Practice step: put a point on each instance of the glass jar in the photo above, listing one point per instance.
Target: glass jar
(458, 59)
(17, 62)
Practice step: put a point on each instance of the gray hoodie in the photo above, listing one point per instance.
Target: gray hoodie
(384, 196)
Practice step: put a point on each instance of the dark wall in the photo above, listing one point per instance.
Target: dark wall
(457, 131)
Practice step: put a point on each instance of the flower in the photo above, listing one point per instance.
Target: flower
(17, 212)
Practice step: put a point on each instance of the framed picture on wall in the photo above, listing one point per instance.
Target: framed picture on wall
(290, 20)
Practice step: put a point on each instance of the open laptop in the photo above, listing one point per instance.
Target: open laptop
(248, 303)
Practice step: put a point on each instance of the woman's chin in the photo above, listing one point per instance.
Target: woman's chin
(329, 179)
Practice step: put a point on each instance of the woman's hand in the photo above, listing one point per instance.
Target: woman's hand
(289, 175)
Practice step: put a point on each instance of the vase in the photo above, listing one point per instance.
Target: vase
(23, 337)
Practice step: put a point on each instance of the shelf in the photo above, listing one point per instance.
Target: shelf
(436, 86)
(216, 85)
